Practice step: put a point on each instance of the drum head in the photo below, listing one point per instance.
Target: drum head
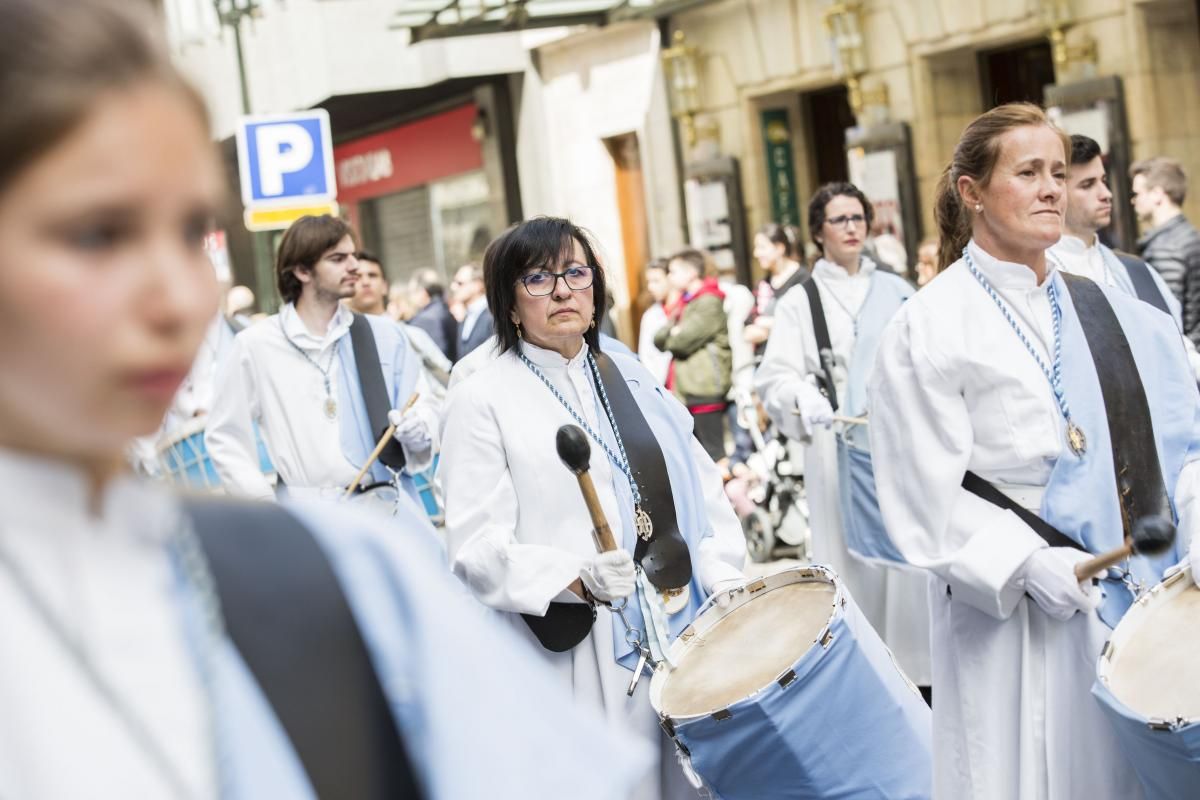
(1155, 654)
(737, 652)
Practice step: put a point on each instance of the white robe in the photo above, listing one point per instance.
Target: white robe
(264, 379)
(955, 389)
(455, 683)
(656, 361)
(894, 602)
(1077, 258)
(518, 532)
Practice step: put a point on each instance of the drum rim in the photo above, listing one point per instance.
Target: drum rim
(1157, 595)
(689, 636)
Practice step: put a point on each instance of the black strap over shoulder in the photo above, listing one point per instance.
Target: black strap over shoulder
(1140, 486)
(664, 558)
(285, 612)
(986, 491)
(1143, 282)
(374, 388)
(824, 346)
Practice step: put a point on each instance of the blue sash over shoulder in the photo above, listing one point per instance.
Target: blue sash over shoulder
(1081, 495)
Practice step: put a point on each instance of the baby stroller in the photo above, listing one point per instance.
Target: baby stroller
(768, 493)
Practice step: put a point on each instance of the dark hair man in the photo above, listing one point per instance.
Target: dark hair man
(1171, 244)
(433, 315)
(371, 291)
(296, 375)
(476, 326)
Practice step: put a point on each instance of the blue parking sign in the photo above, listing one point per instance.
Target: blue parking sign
(285, 159)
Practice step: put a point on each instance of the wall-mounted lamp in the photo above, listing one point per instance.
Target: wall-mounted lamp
(843, 24)
(1057, 16)
(681, 62)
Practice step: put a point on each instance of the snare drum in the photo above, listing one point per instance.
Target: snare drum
(184, 457)
(185, 460)
(789, 693)
(1148, 683)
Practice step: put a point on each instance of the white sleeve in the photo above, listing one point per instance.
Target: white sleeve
(921, 441)
(229, 435)
(782, 379)
(481, 516)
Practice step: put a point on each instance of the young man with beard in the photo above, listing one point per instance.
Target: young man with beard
(296, 375)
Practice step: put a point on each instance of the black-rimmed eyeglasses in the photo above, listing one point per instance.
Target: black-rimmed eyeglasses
(541, 283)
(845, 220)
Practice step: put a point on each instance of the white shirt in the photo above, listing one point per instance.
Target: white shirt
(265, 379)
(653, 359)
(1077, 258)
(106, 577)
(791, 361)
(474, 310)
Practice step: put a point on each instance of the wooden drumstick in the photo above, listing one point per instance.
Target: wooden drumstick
(383, 440)
(1150, 536)
(576, 452)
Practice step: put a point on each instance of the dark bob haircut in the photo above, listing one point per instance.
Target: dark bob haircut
(538, 243)
(1083, 149)
(816, 206)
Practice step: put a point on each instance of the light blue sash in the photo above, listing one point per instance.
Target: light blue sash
(865, 534)
(1081, 495)
(401, 368)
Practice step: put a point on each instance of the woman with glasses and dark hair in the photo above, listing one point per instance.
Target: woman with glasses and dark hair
(801, 379)
(518, 531)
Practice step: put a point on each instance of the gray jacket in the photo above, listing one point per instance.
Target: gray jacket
(1173, 249)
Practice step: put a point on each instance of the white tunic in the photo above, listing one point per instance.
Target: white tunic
(893, 601)
(653, 359)
(518, 532)
(1077, 258)
(955, 389)
(265, 379)
(106, 577)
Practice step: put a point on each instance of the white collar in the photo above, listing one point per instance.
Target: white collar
(830, 271)
(295, 329)
(1073, 245)
(1007, 274)
(47, 493)
(544, 358)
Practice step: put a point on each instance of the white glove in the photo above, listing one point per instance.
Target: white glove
(814, 410)
(723, 590)
(1049, 578)
(610, 576)
(411, 431)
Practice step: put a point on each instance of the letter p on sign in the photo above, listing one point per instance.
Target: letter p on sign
(286, 159)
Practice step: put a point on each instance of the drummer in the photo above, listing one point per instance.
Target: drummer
(111, 684)
(518, 531)
(988, 369)
(856, 300)
(296, 375)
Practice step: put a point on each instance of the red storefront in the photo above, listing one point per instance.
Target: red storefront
(419, 194)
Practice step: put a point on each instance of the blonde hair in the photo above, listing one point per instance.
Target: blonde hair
(976, 156)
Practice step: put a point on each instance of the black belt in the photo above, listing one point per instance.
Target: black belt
(286, 614)
(665, 557)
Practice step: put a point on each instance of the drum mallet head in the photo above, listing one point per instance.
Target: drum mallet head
(574, 448)
(1152, 535)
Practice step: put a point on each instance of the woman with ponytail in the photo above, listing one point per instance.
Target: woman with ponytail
(986, 377)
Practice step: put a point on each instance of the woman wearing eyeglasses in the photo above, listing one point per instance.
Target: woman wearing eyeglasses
(518, 531)
(797, 382)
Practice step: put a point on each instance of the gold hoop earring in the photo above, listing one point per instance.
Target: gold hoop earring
(593, 325)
